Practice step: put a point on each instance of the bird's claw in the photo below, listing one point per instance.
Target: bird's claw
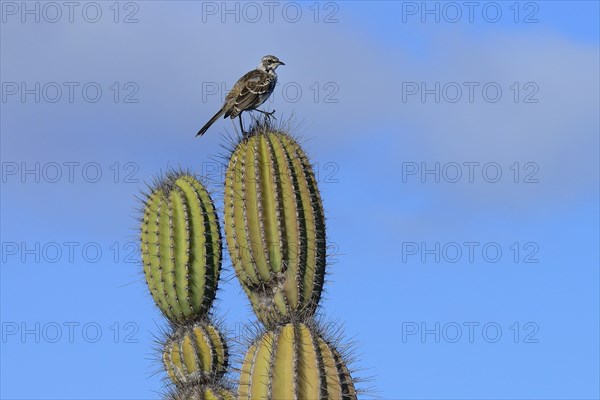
(268, 114)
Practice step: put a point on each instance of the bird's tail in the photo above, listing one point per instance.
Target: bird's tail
(212, 121)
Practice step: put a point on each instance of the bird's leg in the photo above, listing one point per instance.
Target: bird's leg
(241, 124)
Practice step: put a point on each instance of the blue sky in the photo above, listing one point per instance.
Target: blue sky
(416, 258)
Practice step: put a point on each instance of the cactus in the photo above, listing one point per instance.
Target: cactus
(181, 256)
(275, 230)
(196, 353)
(181, 247)
(275, 226)
(202, 392)
(294, 362)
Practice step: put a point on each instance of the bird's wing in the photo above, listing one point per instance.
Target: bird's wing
(248, 92)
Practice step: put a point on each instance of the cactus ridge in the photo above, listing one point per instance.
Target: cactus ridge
(195, 353)
(294, 361)
(275, 226)
(181, 247)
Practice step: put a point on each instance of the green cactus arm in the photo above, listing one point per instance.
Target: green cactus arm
(181, 247)
(294, 362)
(274, 224)
(201, 392)
(195, 354)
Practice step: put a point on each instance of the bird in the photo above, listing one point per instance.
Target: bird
(249, 92)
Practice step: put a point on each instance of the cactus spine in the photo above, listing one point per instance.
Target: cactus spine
(275, 230)
(181, 256)
(275, 226)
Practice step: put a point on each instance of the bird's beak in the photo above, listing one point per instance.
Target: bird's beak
(281, 63)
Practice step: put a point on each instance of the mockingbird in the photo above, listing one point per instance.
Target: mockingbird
(249, 92)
